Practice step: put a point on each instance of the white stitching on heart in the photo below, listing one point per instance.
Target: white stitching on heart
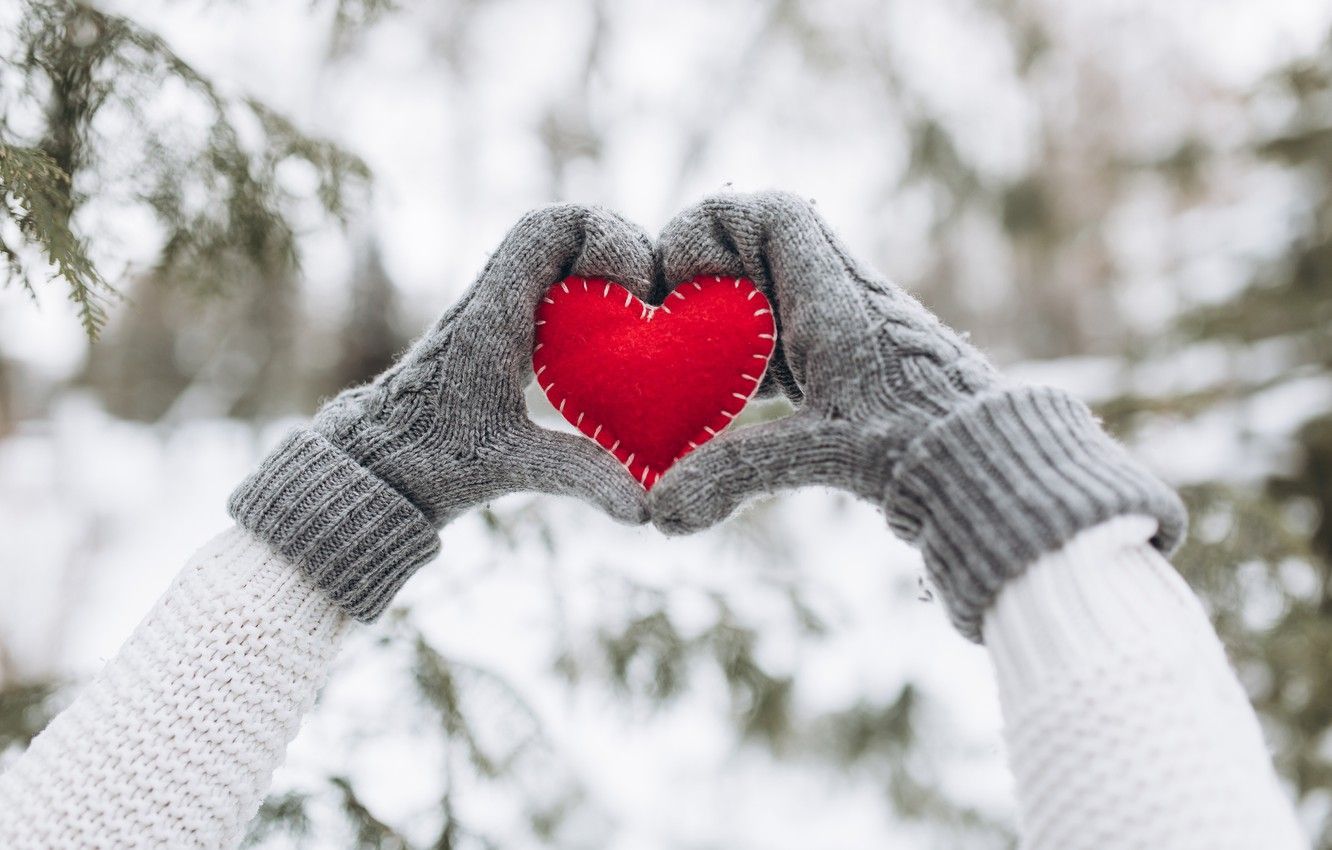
(754, 383)
(647, 312)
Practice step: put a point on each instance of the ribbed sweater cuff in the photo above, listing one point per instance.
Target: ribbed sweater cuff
(356, 537)
(1007, 478)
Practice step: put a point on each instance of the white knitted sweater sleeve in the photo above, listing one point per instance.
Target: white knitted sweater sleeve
(1125, 725)
(174, 743)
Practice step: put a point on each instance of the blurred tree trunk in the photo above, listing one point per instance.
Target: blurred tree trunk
(369, 341)
(7, 415)
(271, 382)
(136, 367)
(232, 356)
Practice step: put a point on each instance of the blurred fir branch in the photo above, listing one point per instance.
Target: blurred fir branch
(212, 184)
(353, 17)
(284, 815)
(355, 14)
(437, 681)
(886, 739)
(483, 716)
(36, 196)
(490, 736)
(25, 709)
(650, 661)
(370, 832)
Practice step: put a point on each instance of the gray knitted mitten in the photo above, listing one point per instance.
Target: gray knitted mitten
(355, 499)
(897, 408)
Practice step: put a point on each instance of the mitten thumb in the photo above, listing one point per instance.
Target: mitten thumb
(708, 484)
(572, 465)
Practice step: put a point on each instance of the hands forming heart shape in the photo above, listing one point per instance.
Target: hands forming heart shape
(650, 349)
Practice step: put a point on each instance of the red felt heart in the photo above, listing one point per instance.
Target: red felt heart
(650, 384)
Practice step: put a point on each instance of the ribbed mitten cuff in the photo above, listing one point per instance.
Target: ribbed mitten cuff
(1007, 478)
(356, 537)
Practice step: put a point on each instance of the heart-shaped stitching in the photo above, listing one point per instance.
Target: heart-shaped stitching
(651, 383)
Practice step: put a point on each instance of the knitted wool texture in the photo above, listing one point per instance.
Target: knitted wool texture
(355, 499)
(174, 743)
(1125, 726)
(900, 410)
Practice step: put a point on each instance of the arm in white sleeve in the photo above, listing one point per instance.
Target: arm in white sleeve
(1125, 725)
(173, 745)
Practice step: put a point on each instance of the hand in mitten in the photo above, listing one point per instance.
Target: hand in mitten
(898, 409)
(356, 498)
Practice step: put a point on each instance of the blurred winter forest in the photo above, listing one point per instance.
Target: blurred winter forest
(217, 212)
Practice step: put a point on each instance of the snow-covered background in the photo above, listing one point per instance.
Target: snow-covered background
(470, 113)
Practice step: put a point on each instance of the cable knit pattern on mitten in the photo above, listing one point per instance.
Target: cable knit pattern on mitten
(982, 475)
(174, 743)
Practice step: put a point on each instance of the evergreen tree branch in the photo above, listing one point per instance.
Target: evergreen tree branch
(32, 187)
(224, 212)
